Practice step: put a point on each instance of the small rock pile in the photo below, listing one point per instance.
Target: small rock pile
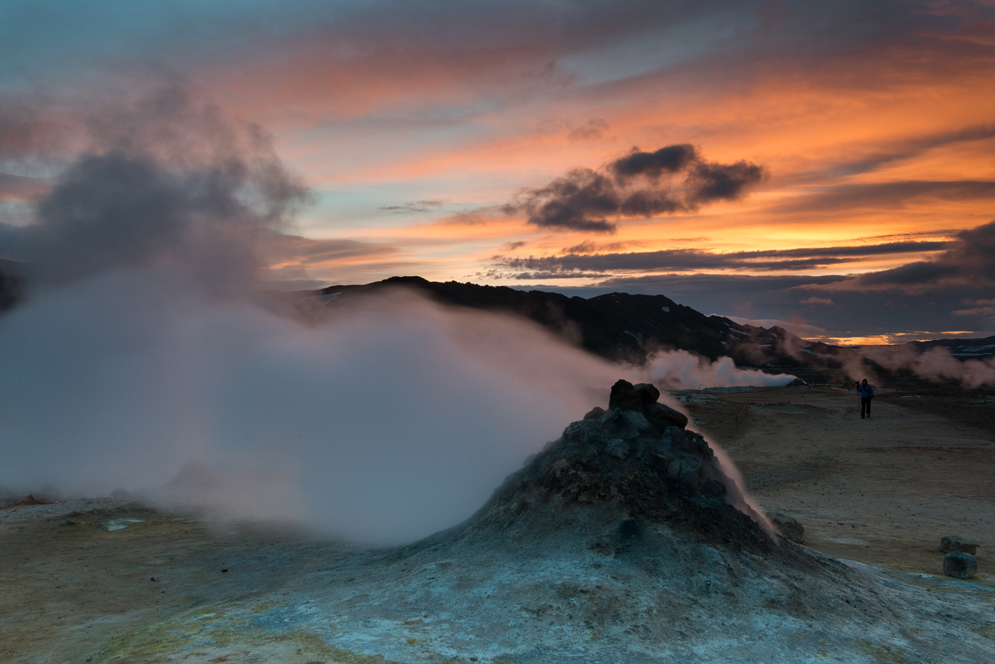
(960, 561)
(636, 424)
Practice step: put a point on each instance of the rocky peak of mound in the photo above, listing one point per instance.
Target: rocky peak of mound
(637, 462)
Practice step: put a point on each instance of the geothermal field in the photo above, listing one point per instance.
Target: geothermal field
(617, 542)
(497, 332)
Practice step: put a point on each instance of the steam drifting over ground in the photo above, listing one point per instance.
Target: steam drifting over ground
(147, 360)
(935, 364)
(679, 369)
(384, 425)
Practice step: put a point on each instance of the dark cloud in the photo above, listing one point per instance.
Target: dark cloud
(709, 182)
(589, 247)
(584, 199)
(968, 259)
(580, 259)
(579, 201)
(416, 206)
(671, 159)
(174, 183)
(859, 250)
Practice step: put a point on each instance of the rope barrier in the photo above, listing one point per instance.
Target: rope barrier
(851, 400)
(735, 417)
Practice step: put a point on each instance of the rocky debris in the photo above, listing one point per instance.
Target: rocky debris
(788, 526)
(951, 543)
(960, 565)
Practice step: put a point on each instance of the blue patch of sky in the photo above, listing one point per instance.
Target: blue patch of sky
(648, 53)
(64, 39)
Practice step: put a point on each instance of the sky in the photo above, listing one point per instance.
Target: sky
(823, 165)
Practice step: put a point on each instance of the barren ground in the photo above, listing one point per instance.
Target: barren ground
(880, 491)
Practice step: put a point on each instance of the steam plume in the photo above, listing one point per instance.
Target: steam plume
(935, 364)
(149, 364)
(679, 369)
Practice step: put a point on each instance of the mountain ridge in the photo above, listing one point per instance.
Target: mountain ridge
(623, 326)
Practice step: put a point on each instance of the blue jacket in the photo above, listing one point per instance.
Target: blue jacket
(865, 391)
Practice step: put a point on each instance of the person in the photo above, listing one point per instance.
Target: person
(866, 393)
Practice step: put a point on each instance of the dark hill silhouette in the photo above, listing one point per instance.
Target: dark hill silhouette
(621, 326)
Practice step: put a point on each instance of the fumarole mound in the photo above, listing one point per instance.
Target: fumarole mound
(620, 542)
(635, 461)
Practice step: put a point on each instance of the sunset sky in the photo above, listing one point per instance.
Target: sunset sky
(830, 165)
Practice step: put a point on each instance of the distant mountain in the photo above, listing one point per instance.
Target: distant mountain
(620, 326)
(964, 349)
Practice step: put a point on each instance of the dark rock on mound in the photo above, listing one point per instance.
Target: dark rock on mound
(625, 397)
(642, 398)
(648, 393)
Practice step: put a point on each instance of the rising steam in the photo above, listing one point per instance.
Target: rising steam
(679, 369)
(148, 362)
(935, 364)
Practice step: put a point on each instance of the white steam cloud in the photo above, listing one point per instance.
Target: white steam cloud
(679, 369)
(148, 363)
(935, 364)
(390, 422)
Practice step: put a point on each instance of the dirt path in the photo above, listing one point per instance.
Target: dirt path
(881, 490)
